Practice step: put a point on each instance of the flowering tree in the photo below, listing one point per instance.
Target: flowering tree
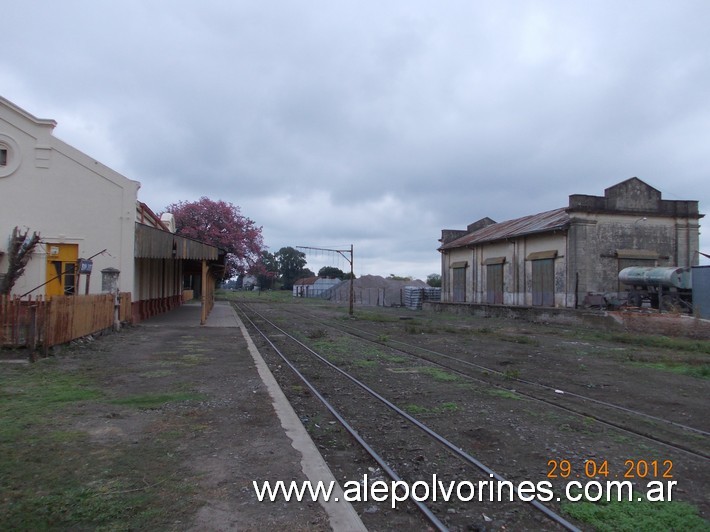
(220, 224)
(20, 250)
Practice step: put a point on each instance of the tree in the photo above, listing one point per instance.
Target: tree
(291, 263)
(433, 279)
(220, 224)
(19, 252)
(266, 270)
(331, 272)
(305, 273)
(398, 277)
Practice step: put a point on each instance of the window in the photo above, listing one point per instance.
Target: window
(9, 155)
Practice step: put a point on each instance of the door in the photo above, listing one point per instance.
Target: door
(543, 283)
(494, 284)
(61, 269)
(459, 285)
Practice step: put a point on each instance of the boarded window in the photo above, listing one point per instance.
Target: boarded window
(494, 284)
(543, 283)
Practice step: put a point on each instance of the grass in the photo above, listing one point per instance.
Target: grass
(518, 339)
(364, 363)
(438, 374)
(156, 400)
(52, 477)
(445, 408)
(511, 374)
(701, 371)
(395, 359)
(649, 340)
(374, 316)
(623, 516)
(498, 392)
(29, 395)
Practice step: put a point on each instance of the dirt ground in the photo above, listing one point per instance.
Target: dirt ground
(179, 423)
(666, 378)
(176, 428)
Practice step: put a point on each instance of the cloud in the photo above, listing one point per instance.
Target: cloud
(377, 124)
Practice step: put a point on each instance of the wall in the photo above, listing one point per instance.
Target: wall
(67, 197)
(630, 225)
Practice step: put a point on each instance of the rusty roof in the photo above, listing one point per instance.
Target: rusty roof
(536, 223)
(306, 281)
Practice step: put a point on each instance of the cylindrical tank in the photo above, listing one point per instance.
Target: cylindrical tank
(657, 276)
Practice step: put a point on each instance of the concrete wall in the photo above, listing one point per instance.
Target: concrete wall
(630, 225)
(67, 197)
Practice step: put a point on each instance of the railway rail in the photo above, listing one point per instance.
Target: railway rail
(379, 355)
(299, 357)
(656, 429)
(578, 404)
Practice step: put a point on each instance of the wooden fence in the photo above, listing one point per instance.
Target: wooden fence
(61, 319)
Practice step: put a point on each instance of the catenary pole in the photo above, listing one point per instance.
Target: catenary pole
(342, 252)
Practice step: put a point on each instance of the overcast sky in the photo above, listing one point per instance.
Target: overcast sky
(376, 124)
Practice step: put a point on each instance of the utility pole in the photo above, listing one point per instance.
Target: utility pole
(350, 260)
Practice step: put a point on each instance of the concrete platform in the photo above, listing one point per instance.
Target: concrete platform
(292, 435)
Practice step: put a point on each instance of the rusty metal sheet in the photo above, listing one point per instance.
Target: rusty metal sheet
(557, 219)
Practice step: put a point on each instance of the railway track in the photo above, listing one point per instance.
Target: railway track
(437, 456)
(657, 430)
(613, 415)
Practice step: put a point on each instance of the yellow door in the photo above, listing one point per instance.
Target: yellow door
(61, 267)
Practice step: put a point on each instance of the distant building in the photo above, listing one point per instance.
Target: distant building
(313, 286)
(554, 258)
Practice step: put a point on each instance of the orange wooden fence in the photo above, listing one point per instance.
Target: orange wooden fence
(61, 319)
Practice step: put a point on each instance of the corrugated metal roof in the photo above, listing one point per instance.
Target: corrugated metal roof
(152, 243)
(535, 223)
(305, 281)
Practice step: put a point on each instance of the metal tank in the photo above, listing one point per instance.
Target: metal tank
(672, 277)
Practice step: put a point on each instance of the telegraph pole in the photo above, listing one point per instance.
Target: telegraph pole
(342, 253)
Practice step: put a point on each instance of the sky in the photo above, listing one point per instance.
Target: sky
(372, 124)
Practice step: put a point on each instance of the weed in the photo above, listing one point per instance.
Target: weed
(511, 374)
(636, 515)
(439, 374)
(507, 394)
(396, 359)
(192, 360)
(700, 371)
(650, 340)
(449, 407)
(411, 329)
(316, 334)
(365, 363)
(368, 315)
(517, 339)
(415, 409)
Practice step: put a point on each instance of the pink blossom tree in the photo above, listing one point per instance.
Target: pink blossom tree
(220, 224)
